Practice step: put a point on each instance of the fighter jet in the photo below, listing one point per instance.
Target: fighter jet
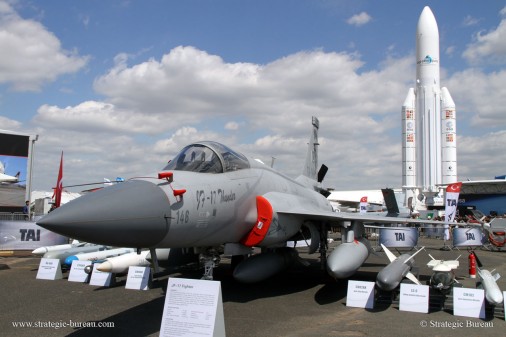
(389, 277)
(216, 200)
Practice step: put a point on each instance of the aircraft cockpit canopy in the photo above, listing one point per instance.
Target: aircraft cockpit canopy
(208, 157)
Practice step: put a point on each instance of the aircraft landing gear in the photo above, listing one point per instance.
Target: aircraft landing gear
(324, 237)
(210, 259)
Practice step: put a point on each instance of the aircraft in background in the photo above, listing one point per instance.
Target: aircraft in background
(7, 179)
(217, 201)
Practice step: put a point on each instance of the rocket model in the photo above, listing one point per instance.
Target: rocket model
(428, 121)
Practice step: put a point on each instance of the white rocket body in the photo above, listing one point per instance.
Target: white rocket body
(429, 136)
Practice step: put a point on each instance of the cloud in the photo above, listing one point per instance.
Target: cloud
(9, 124)
(359, 19)
(488, 47)
(151, 109)
(482, 101)
(31, 55)
(232, 126)
(470, 21)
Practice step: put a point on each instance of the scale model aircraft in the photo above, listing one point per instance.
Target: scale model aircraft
(217, 201)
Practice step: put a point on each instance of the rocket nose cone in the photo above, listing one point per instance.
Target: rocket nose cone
(427, 22)
(131, 214)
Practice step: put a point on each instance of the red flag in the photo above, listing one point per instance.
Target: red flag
(59, 185)
(451, 201)
(363, 205)
(454, 188)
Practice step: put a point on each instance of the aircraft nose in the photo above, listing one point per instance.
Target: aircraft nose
(130, 214)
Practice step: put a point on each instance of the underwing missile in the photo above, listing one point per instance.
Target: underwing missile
(97, 255)
(121, 263)
(43, 250)
(63, 254)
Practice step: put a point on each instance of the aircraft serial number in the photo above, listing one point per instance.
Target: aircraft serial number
(213, 197)
(182, 216)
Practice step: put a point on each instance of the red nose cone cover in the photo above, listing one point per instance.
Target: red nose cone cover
(259, 231)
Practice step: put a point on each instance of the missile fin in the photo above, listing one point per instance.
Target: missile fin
(413, 278)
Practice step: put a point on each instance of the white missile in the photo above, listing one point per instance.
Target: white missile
(45, 249)
(98, 255)
(120, 264)
(493, 294)
(64, 253)
(432, 113)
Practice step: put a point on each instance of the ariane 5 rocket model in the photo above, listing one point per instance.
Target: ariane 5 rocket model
(429, 153)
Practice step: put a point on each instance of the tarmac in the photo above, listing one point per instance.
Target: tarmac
(302, 301)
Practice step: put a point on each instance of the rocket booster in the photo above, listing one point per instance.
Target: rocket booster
(428, 114)
(449, 138)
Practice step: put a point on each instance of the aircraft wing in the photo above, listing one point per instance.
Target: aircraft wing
(284, 203)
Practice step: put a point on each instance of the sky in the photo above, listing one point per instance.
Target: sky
(121, 86)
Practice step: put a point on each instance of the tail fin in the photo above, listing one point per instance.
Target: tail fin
(18, 174)
(310, 166)
(390, 202)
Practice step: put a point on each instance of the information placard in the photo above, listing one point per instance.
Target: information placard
(49, 269)
(360, 294)
(469, 302)
(138, 278)
(77, 273)
(192, 308)
(414, 298)
(100, 278)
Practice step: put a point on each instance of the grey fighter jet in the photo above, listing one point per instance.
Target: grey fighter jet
(215, 200)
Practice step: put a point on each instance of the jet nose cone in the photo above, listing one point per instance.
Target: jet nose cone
(131, 214)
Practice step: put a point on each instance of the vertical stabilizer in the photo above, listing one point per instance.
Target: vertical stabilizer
(390, 202)
(310, 166)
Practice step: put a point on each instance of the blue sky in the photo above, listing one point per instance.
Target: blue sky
(121, 86)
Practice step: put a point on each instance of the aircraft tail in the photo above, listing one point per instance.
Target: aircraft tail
(310, 166)
(311, 177)
(17, 175)
(390, 202)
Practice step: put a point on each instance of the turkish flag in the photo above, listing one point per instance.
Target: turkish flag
(451, 201)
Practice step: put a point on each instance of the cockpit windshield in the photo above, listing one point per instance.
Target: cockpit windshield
(208, 157)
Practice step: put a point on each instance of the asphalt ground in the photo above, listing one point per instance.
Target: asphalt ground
(302, 301)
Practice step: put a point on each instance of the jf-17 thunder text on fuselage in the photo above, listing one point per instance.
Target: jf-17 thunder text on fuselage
(215, 200)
